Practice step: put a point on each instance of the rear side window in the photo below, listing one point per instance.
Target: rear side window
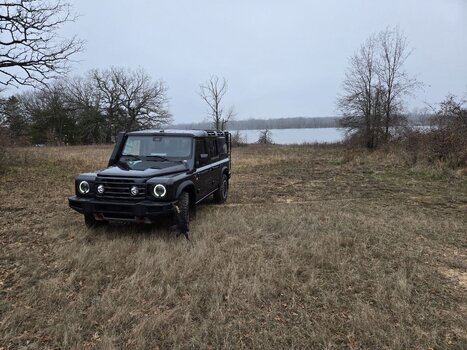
(200, 148)
(222, 146)
(212, 146)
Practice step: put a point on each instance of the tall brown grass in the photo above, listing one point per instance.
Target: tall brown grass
(317, 247)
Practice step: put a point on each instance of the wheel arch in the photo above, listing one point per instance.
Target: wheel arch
(187, 186)
(225, 171)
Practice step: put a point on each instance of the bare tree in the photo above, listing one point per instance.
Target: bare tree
(30, 53)
(393, 52)
(85, 101)
(374, 87)
(50, 114)
(213, 92)
(109, 102)
(15, 117)
(131, 99)
(362, 94)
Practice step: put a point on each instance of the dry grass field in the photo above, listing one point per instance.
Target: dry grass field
(317, 247)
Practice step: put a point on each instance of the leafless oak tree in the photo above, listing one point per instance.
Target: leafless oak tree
(30, 51)
(213, 92)
(131, 99)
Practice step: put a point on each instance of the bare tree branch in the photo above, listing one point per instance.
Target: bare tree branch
(30, 51)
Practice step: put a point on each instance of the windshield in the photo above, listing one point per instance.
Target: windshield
(162, 147)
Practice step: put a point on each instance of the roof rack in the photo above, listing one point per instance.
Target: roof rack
(214, 132)
(193, 132)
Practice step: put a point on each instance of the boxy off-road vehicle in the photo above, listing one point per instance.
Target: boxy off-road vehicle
(156, 172)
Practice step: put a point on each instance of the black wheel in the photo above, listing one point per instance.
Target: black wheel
(183, 212)
(220, 196)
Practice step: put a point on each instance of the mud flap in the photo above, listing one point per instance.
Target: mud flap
(181, 222)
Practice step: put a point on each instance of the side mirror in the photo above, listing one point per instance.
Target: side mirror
(203, 158)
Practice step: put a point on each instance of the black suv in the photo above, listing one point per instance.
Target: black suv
(156, 172)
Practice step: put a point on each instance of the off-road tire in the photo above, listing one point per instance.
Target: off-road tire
(220, 196)
(183, 214)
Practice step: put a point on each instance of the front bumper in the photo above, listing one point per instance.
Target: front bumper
(120, 211)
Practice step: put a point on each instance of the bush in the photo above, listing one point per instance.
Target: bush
(265, 137)
(444, 145)
(238, 139)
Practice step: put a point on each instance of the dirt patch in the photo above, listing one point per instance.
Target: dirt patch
(459, 277)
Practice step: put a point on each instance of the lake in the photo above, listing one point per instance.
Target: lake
(291, 136)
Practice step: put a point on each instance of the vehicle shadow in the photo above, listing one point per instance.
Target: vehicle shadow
(164, 228)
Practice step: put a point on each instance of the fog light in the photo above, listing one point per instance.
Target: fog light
(84, 187)
(159, 191)
(100, 189)
(134, 191)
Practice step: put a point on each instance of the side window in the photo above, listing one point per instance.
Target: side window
(200, 149)
(213, 153)
(222, 146)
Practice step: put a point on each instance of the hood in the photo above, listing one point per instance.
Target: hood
(149, 172)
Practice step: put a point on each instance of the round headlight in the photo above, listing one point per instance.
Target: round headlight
(159, 191)
(84, 187)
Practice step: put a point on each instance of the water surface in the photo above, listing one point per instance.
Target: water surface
(292, 136)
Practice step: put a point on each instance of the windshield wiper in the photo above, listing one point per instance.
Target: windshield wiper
(160, 157)
(132, 156)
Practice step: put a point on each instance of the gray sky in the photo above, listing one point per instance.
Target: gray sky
(281, 58)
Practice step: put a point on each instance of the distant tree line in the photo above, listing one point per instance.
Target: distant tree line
(277, 123)
(89, 109)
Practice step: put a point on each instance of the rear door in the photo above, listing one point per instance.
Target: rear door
(214, 158)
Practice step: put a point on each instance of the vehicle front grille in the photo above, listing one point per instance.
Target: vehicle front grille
(119, 188)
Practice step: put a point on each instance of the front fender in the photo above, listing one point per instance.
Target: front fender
(184, 185)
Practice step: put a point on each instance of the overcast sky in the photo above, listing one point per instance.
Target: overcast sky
(281, 58)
